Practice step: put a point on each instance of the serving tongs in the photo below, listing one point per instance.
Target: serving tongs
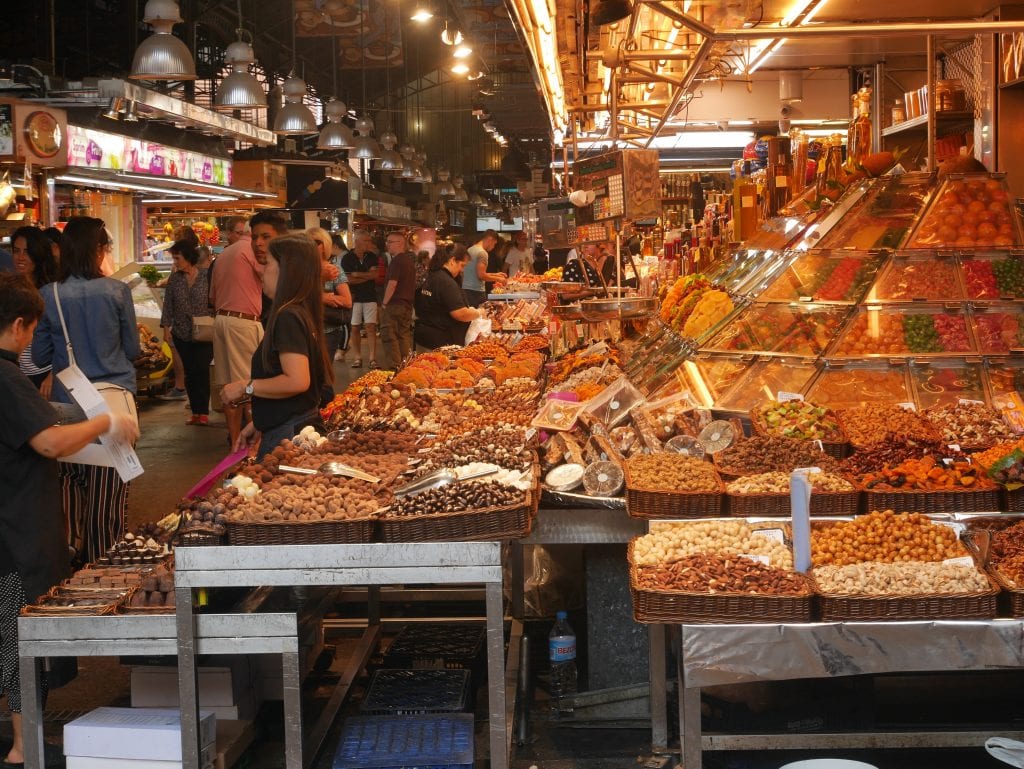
(332, 468)
(439, 478)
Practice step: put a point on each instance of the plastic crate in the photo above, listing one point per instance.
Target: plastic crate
(396, 692)
(437, 647)
(406, 742)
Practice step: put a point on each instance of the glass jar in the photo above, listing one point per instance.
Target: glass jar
(950, 95)
(899, 112)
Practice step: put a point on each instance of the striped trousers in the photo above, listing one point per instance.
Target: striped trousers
(95, 500)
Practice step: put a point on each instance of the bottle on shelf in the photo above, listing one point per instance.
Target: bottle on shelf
(863, 146)
(851, 129)
(744, 208)
(562, 655)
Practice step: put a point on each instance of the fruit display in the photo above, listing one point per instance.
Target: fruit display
(901, 579)
(968, 212)
(906, 280)
(334, 412)
(824, 276)
(764, 453)
(846, 387)
(994, 277)
(886, 332)
(1004, 463)
(880, 455)
(884, 216)
(669, 542)
(484, 363)
(764, 380)
(804, 330)
(999, 329)
(712, 307)
(693, 305)
(946, 383)
(517, 315)
(875, 424)
(798, 419)
(883, 537)
(562, 369)
(969, 424)
(926, 474)
(709, 378)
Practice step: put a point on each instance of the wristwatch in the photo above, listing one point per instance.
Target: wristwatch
(249, 389)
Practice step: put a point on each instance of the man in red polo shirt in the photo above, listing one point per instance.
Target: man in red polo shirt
(236, 293)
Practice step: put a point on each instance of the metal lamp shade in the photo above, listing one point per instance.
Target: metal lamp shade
(607, 11)
(162, 56)
(365, 148)
(475, 199)
(460, 195)
(408, 170)
(240, 90)
(390, 160)
(335, 136)
(294, 119)
(445, 189)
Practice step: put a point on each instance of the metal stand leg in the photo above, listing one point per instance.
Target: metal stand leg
(689, 717)
(292, 685)
(496, 676)
(518, 577)
(659, 701)
(32, 711)
(188, 679)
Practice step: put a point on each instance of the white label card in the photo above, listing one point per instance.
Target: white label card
(782, 396)
(969, 402)
(908, 406)
(964, 560)
(954, 447)
(776, 535)
(757, 557)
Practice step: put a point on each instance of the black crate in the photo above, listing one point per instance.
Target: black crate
(396, 742)
(438, 647)
(395, 692)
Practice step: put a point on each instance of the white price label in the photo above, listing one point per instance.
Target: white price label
(954, 447)
(907, 405)
(964, 560)
(776, 535)
(969, 402)
(807, 470)
(746, 201)
(782, 396)
(781, 181)
(757, 557)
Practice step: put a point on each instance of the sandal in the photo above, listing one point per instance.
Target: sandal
(198, 419)
(357, 363)
(373, 364)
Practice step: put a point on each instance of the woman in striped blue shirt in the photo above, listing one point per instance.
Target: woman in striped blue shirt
(34, 257)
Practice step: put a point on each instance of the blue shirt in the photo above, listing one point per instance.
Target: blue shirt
(100, 316)
(470, 281)
(6, 261)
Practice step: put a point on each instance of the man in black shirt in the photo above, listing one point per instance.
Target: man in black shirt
(360, 266)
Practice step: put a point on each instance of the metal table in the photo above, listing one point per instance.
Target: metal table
(727, 654)
(140, 634)
(340, 565)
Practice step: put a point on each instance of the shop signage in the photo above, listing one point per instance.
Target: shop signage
(89, 148)
(6, 129)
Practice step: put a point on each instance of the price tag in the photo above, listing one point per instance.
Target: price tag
(807, 470)
(970, 402)
(907, 405)
(964, 560)
(746, 201)
(775, 535)
(954, 447)
(782, 396)
(759, 558)
(530, 433)
(781, 181)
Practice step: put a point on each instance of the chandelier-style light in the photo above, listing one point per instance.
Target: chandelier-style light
(335, 135)
(240, 89)
(294, 118)
(162, 56)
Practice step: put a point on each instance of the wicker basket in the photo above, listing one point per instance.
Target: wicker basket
(100, 602)
(967, 501)
(659, 504)
(509, 522)
(200, 537)
(836, 449)
(675, 606)
(777, 504)
(930, 606)
(1011, 501)
(356, 531)
(1012, 596)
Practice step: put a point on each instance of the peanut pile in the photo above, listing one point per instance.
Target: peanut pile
(883, 537)
(670, 542)
(671, 472)
(900, 578)
(779, 482)
(720, 574)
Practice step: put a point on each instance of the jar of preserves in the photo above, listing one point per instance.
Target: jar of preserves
(950, 95)
(899, 112)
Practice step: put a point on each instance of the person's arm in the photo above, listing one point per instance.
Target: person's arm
(345, 294)
(129, 326)
(328, 271)
(167, 315)
(62, 440)
(484, 275)
(294, 380)
(467, 314)
(42, 343)
(389, 291)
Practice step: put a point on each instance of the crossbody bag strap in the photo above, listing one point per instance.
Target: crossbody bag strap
(63, 326)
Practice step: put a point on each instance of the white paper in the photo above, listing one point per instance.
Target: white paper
(776, 535)
(782, 396)
(800, 511)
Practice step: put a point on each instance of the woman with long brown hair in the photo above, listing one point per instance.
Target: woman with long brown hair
(291, 365)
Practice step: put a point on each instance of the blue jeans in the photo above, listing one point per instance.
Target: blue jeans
(272, 437)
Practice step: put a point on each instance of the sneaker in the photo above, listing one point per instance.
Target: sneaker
(174, 394)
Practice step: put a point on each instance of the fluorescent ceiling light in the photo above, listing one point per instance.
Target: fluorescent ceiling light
(462, 51)
(743, 122)
(709, 139)
(173, 201)
(216, 188)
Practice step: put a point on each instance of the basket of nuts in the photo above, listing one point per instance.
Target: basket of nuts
(929, 485)
(667, 485)
(461, 512)
(803, 421)
(870, 425)
(998, 542)
(766, 453)
(889, 566)
(715, 571)
(767, 494)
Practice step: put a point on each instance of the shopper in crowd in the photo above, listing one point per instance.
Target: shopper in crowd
(6, 261)
(99, 317)
(236, 292)
(290, 366)
(541, 258)
(336, 294)
(338, 251)
(496, 260)
(442, 314)
(187, 297)
(205, 258)
(476, 276)
(56, 237)
(234, 229)
(518, 258)
(33, 548)
(399, 295)
(585, 262)
(360, 265)
(33, 257)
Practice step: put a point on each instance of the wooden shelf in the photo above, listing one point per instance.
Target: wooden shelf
(1018, 83)
(920, 124)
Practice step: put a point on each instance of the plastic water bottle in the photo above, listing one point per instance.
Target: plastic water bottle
(562, 654)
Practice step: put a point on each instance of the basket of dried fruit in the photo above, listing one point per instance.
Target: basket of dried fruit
(672, 486)
(767, 494)
(972, 426)
(675, 577)
(803, 421)
(889, 566)
(929, 485)
(998, 542)
(1004, 464)
(770, 453)
(461, 512)
(870, 425)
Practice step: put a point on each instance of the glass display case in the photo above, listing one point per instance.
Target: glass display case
(993, 275)
(1005, 381)
(743, 269)
(942, 382)
(803, 330)
(823, 276)
(844, 386)
(885, 215)
(904, 330)
(999, 328)
(709, 378)
(918, 278)
(968, 211)
(764, 380)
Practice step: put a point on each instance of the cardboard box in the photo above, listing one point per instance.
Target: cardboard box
(157, 686)
(138, 733)
(208, 760)
(233, 739)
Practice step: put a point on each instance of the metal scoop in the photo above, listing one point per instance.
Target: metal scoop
(439, 478)
(332, 468)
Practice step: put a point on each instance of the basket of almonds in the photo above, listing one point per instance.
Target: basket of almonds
(897, 566)
(716, 571)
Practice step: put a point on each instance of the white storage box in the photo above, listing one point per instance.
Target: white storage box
(156, 686)
(208, 760)
(137, 733)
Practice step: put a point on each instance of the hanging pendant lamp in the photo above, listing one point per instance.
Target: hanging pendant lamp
(390, 159)
(294, 118)
(608, 11)
(162, 56)
(240, 89)
(335, 135)
(444, 186)
(408, 153)
(459, 193)
(364, 146)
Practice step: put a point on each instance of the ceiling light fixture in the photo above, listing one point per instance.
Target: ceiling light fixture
(422, 13)
(162, 56)
(335, 135)
(462, 51)
(294, 118)
(459, 69)
(451, 36)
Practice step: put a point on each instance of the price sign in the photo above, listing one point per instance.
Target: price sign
(782, 396)
(776, 535)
